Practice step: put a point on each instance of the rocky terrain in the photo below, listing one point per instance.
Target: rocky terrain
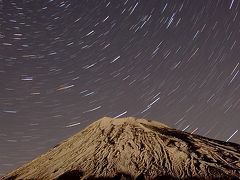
(130, 148)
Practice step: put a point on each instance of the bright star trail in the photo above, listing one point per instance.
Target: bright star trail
(66, 63)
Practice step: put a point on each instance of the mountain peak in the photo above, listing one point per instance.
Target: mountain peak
(131, 148)
(109, 122)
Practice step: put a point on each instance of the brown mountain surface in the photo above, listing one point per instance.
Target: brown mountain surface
(130, 148)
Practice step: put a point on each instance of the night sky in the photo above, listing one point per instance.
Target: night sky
(66, 63)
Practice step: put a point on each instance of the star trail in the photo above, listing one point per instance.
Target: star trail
(66, 63)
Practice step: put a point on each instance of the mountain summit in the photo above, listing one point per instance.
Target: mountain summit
(130, 148)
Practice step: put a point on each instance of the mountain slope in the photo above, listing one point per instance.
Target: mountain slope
(129, 148)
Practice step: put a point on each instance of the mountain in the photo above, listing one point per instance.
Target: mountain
(130, 148)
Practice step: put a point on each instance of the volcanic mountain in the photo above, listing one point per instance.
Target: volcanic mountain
(130, 148)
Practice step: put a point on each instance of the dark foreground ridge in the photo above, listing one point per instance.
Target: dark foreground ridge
(130, 148)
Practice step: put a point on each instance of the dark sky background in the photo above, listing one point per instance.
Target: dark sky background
(66, 63)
